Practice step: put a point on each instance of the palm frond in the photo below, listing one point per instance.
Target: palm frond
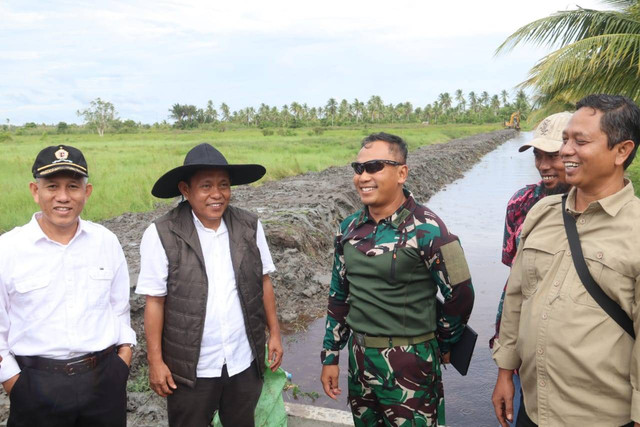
(609, 63)
(566, 27)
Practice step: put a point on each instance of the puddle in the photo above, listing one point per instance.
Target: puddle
(473, 208)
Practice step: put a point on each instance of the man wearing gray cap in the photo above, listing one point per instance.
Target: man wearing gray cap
(546, 143)
(65, 334)
(570, 316)
(205, 271)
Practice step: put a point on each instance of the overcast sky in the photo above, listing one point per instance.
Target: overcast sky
(144, 56)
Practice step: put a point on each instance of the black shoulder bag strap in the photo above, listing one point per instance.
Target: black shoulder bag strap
(608, 305)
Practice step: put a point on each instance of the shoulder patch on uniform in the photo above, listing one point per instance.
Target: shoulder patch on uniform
(455, 262)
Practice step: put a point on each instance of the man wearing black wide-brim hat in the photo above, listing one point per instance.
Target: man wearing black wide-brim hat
(65, 332)
(205, 272)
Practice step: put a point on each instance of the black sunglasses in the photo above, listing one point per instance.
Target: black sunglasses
(372, 166)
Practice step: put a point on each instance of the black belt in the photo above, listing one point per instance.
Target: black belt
(77, 365)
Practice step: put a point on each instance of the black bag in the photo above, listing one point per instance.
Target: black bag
(461, 351)
(608, 305)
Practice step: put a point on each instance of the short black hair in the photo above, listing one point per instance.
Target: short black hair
(397, 145)
(620, 120)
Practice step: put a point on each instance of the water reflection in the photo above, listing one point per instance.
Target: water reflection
(473, 208)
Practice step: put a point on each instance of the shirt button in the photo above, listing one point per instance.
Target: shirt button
(542, 383)
(568, 253)
(540, 350)
(545, 316)
(556, 283)
(582, 221)
(599, 255)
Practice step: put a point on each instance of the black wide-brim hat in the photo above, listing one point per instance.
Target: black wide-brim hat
(204, 156)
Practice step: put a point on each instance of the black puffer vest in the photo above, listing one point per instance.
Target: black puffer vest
(187, 287)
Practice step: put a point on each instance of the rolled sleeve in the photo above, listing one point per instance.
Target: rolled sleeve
(154, 265)
(265, 255)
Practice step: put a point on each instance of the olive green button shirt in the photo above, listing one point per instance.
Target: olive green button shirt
(577, 366)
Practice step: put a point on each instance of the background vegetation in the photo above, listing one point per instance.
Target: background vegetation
(123, 167)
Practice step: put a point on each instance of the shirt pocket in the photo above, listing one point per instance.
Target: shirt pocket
(32, 296)
(537, 259)
(615, 284)
(99, 284)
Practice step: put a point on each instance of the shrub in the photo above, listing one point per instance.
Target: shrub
(62, 127)
(267, 132)
(286, 132)
(318, 130)
(5, 137)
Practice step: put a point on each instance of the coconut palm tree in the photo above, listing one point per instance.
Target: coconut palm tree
(598, 51)
(460, 100)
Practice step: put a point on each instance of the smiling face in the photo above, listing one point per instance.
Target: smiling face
(61, 198)
(208, 193)
(380, 191)
(551, 168)
(590, 165)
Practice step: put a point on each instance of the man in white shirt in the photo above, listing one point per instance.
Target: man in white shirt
(205, 271)
(65, 334)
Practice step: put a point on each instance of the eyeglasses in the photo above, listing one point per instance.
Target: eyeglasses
(372, 166)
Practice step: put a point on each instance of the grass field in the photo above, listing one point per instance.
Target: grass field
(123, 168)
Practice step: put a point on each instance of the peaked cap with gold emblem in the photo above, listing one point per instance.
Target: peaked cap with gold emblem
(58, 158)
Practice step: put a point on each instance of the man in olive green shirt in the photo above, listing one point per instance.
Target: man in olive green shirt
(577, 365)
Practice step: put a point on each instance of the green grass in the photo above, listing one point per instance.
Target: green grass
(123, 168)
(633, 171)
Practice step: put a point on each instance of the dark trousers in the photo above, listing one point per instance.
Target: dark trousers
(525, 421)
(96, 398)
(234, 397)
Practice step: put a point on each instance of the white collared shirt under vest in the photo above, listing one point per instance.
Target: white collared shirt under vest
(61, 301)
(224, 339)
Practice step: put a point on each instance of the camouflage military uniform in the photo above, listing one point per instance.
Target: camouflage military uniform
(384, 283)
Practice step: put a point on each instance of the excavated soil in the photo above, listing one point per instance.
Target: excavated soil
(300, 215)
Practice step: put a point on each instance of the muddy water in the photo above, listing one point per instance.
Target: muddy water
(473, 208)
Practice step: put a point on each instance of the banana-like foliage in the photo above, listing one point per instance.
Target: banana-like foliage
(597, 52)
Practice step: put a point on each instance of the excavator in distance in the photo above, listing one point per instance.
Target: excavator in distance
(514, 121)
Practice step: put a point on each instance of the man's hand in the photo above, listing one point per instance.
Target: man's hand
(8, 384)
(274, 347)
(160, 379)
(503, 397)
(446, 357)
(329, 380)
(126, 354)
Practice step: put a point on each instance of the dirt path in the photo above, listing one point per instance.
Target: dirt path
(300, 216)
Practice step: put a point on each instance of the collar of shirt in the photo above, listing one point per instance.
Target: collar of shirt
(610, 204)
(395, 219)
(35, 232)
(199, 225)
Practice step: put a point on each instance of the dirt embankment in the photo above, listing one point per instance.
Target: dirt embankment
(300, 215)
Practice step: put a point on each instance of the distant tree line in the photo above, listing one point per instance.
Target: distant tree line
(475, 107)
(460, 108)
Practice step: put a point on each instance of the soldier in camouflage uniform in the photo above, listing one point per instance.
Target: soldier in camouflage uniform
(391, 257)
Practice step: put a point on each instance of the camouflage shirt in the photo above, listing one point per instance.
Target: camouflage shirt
(411, 226)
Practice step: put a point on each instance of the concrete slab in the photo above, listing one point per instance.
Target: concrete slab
(313, 416)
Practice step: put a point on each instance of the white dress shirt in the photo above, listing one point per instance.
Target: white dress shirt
(224, 339)
(61, 301)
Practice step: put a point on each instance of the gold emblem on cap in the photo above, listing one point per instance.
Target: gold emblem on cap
(61, 154)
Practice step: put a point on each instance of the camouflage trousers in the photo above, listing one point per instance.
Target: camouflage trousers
(398, 386)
